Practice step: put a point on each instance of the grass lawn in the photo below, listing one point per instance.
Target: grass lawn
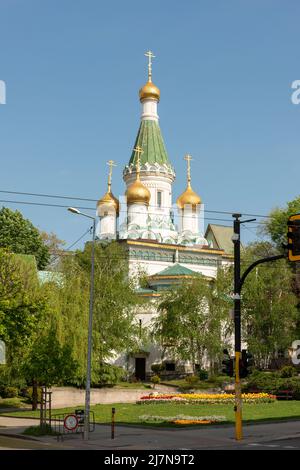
(129, 413)
(13, 403)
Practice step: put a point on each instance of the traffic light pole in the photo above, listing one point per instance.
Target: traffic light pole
(237, 325)
(238, 284)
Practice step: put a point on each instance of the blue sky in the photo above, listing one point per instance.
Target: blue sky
(73, 69)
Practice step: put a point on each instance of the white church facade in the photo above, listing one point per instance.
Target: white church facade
(166, 241)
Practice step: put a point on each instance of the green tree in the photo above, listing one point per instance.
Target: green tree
(114, 328)
(21, 301)
(275, 226)
(19, 235)
(269, 310)
(190, 318)
(47, 362)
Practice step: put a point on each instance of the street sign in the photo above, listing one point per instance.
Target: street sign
(2, 352)
(71, 422)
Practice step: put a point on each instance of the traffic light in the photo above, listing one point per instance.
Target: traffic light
(294, 237)
(246, 362)
(228, 363)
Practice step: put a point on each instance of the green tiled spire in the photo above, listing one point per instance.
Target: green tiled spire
(150, 139)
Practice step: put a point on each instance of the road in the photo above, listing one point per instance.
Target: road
(14, 443)
(267, 436)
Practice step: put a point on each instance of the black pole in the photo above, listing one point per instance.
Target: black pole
(237, 324)
(237, 275)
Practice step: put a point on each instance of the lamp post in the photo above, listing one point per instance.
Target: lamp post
(90, 329)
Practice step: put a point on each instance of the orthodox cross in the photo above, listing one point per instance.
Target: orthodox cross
(188, 158)
(138, 151)
(110, 163)
(150, 56)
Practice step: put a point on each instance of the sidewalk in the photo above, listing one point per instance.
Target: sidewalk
(135, 438)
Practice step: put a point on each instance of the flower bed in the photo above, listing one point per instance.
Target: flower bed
(182, 419)
(206, 398)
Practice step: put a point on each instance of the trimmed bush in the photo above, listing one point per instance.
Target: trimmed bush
(202, 374)
(155, 380)
(157, 368)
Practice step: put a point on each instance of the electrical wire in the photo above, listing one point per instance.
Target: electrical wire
(61, 206)
(95, 200)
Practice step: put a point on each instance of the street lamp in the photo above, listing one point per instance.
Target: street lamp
(90, 330)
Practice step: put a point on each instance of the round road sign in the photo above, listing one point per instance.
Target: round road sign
(71, 422)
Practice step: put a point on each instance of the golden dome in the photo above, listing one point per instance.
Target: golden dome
(149, 91)
(137, 193)
(108, 201)
(189, 197)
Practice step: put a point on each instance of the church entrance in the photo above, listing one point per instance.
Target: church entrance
(140, 368)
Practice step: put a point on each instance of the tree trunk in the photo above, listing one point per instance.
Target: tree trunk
(34, 395)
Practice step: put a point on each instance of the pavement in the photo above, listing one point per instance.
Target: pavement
(267, 436)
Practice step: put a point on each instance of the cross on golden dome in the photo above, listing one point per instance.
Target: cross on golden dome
(108, 201)
(188, 158)
(150, 56)
(188, 197)
(138, 152)
(111, 164)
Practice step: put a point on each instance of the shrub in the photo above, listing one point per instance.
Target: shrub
(192, 379)
(9, 392)
(44, 430)
(109, 374)
(288, 371)
(157, 368)
(202, 374)
(155, 380)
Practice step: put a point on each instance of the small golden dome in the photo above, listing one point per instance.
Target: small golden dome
(108, 201)
(189, 197)
(149, 91)
(137, 193)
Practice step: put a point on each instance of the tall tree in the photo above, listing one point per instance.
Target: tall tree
(269, 307)
(190, 320)
(275, 226)
(114, 328)
(19, 235)
(21, 302)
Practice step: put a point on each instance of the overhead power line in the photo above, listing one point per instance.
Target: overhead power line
(76, 198)
(62, 206)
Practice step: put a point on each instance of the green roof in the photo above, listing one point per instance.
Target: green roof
(176, 270)
(150, 139)
(144, 290)
(221, 236)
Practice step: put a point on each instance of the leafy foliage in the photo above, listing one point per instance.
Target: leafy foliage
(48, 362)
(190, 319)
(114, 328)
(19, 235)
(276, 224)
(21, 302)
(269, 308)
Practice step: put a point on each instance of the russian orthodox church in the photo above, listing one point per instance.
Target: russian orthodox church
(164, 241)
